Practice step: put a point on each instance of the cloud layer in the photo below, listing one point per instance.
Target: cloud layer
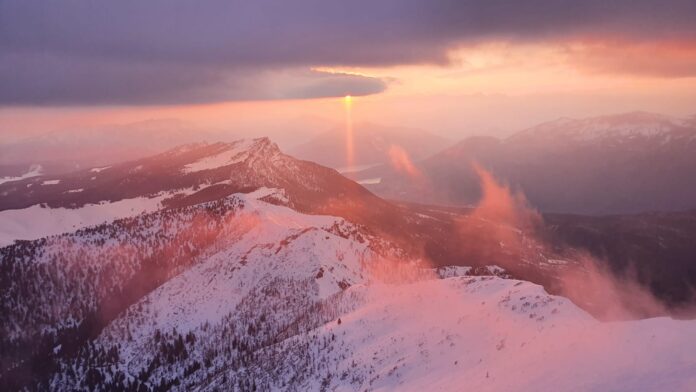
(161, 52)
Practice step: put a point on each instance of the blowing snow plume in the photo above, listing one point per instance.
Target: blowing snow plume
(516, 229)
(499, 204)
(402, 163)
(499, 230)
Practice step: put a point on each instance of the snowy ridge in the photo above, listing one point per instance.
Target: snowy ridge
(491, 334)
(282, 247)
(292, 304)
(107, 193)
(484, 333)
(244, 163)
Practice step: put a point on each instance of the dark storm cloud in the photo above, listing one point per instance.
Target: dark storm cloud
(81, 52)
(61, 80)
(323, 84)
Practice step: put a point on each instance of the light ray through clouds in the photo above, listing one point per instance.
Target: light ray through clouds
(350, 148)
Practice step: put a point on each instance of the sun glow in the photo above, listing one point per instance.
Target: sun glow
(350, 153)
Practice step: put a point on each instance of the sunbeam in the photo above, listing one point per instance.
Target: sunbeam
(350, 148)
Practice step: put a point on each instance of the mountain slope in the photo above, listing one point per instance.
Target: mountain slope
(182, 176)
(67, 288)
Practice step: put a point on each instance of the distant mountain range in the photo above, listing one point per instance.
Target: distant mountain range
(626, 163)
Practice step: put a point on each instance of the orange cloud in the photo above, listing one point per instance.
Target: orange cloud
(672, 59)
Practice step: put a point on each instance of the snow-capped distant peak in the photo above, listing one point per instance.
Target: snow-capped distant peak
(627, 126)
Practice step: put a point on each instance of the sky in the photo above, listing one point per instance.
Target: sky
(453, 67)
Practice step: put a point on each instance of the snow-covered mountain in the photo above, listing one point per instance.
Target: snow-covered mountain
(620, 128)
(626, 163)
(232, 266)
(181, 176)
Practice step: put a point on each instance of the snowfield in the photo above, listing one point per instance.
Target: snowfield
(37, 221)
(40, 221)
(492, 334)
(238, 152)
(34, 170)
